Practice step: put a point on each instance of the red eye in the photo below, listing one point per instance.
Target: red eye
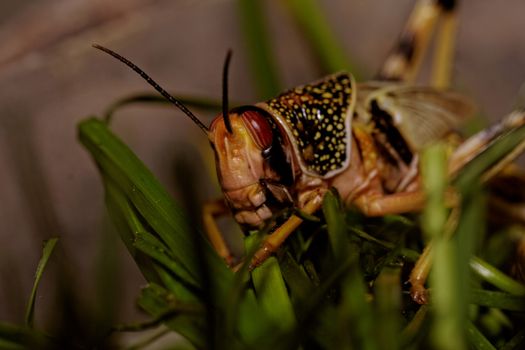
(259, 127)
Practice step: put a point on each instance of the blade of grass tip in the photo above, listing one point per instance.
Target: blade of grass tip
(174, 285)
(144, 247)
(253, 26)
(447, 330)
(152, 202)
(309, 16)
(126, 222)
(152, 247)
(388, 305)
(201, 103)
(159, 303)
(494, 322)
(300, 286)
(335, 219)
(497, 300)
(492, 275)
(517, 342)
(496, 151)
(476, 339)
(271, 292)
(49, 246)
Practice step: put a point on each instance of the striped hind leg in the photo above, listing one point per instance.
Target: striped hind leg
(404, 60)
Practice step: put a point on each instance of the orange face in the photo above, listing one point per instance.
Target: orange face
(243, 163)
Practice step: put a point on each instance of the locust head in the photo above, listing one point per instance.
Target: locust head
(252, 167)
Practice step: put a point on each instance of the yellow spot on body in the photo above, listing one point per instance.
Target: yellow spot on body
(308, 153)
(327, 95)
(330, 127)
(317, 135)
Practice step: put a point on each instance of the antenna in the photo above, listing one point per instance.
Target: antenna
(225, 109)
(155, 85)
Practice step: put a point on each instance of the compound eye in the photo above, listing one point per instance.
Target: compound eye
(260, 129)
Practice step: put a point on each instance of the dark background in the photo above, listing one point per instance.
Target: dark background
(50, 79)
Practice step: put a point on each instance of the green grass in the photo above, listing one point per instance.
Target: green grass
(337, 282)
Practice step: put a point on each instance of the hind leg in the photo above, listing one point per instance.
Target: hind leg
(404, 61)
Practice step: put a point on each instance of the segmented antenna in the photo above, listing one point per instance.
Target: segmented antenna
(225, 109)
(155, 85)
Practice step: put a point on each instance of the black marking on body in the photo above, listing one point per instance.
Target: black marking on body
(316, 115)
(406, 46)
(384, 124)
(404, 50)
(447, 5)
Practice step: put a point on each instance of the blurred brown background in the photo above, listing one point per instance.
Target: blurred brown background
(50, 79)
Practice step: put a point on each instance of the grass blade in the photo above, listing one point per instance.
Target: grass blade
(498, 300)
(126, 220)
(495, 277)
(388, 305)
(517, 342)
(309, 15)
(355, 315)
(49, 246)
(153, 203)
(496, 151)
(477, 339)
(444, 281)
(335, 219)
(185, 319)
(271, 291)
(257, 44)
(17, 337)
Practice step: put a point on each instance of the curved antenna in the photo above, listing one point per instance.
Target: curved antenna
(155, 85)
(225, 109)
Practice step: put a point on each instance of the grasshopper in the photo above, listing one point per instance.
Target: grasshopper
(364, 139)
